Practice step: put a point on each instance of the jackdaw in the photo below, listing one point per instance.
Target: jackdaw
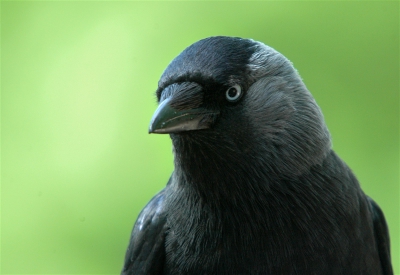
(257, 188)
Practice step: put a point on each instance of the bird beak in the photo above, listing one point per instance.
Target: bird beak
(167, 120)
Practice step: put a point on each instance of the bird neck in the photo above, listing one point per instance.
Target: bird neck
(218, 175)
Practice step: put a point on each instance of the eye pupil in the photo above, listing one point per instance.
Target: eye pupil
(232, 92)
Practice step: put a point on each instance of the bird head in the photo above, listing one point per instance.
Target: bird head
(237, 99)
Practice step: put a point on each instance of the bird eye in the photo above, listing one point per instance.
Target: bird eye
(234, 93)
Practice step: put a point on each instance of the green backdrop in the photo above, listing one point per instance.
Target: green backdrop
(78, 82)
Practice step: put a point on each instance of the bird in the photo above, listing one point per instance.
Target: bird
(256, 186)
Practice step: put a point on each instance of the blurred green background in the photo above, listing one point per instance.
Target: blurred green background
(78, 82)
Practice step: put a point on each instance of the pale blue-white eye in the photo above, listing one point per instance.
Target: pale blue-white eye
(234, 93)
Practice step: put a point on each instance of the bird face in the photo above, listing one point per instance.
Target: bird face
(240, 95)
(207, 80)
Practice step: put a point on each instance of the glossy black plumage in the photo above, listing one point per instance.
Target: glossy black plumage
(256, 188)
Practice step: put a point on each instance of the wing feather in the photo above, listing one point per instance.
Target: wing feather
(382, 237)
(146, 250)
